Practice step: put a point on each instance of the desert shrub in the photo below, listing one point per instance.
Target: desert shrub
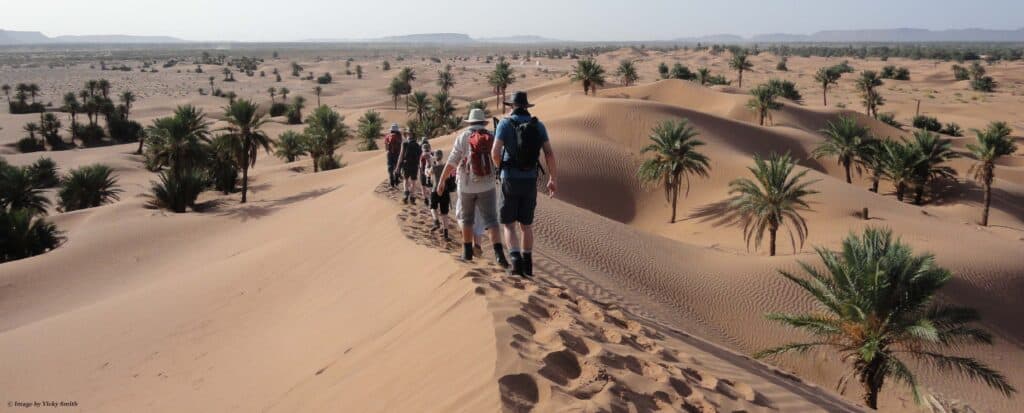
(25, 235)
(887, 72)
(927, 123)
(781, 66)
(961, 73)
(177, 194)
(385, 66)
(91, 135)
(663, 70)
(290, 146)
(278, 109)
(719, 80)
(902, 73)
(27, 144)
(329, 162)
(43, 173)
(122, 130)
(785, 89)
(983, 84)
(952, 129)
(681, 72)
(890, 118)
(19, 108)
(324, 79)
(87, 187)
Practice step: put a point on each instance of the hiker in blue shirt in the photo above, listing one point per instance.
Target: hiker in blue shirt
(518, 142)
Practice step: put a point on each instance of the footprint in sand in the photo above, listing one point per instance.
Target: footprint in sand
(518, 393)
(580, 379)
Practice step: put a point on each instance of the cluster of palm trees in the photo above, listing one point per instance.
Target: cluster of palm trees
(191, 159)
(24, 232)
(868, 84)
(446, 79)
(401, 85)
(22, 93)
(627, 73)
(325, 132)
(433, 114)
(764, 98)
(915, 164)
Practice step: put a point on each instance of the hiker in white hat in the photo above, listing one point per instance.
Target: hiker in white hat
(471, 158)
(393, 146)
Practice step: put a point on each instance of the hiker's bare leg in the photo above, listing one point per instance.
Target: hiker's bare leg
(495, 233)
(511, 236)
(527, 237)
(467, 233)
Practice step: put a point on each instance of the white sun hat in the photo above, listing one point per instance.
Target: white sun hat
(395, 128)
(476, 116)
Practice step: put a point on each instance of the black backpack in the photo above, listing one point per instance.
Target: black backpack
(412, 153)
(525, 154)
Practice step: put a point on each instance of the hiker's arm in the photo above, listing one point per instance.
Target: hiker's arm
(496, 152)
(440, 184)
(549, 159)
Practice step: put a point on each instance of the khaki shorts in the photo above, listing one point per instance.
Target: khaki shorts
(486, 202)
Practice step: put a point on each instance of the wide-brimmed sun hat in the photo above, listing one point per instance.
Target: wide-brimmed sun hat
(476, 116)
(395, 128)
(519, 99)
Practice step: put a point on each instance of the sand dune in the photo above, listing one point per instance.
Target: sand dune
(323, 293)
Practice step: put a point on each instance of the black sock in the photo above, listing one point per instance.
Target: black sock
(499, 250)
(467, 250)
(528, 263)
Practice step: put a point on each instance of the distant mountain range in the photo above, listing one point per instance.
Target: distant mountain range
(9, 37)
(868, 36)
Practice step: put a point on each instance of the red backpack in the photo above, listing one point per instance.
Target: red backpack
(480, 144)
(393, 143)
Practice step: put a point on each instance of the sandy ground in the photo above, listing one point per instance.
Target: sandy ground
(324, 293)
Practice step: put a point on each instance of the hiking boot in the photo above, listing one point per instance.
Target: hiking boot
(412, 200)
(499, 256)
(467, 252)
(528, 264)
(517, 263)
(437, 224)
(445, 235)
(406, 199)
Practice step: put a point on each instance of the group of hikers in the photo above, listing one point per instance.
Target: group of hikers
(493, 175)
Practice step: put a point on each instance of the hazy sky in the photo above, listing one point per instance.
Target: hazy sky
(283, 20)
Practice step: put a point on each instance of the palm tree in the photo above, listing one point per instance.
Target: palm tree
(773, 201)
(7, 92)
(993, 143)
(899, 162)
(826, 76)
(174, 142)
(326, 131)
(33, 90)
(317, 91)
(627, 73)
(867, 84)
(25, 235)
(273, 92)
(104, 87)
(290, 146)
(675, 159)
(369, 128)
(31, 128)
(127, 98)
(877, 309)
(872, 159)
(359, 72)
(703, 75)
(740, 64)
(590, 73)
(763, 102)
(935, 152)
(88, 187)
(418, 103)
(295, 110)
(846, 140)
(445, 80)
(244, 122)
(18, 191)
(396, 89)
(442, 106)
(284, 93)
(407, 75)
(500, 79)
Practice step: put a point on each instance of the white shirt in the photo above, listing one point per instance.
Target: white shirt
(467, 181)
